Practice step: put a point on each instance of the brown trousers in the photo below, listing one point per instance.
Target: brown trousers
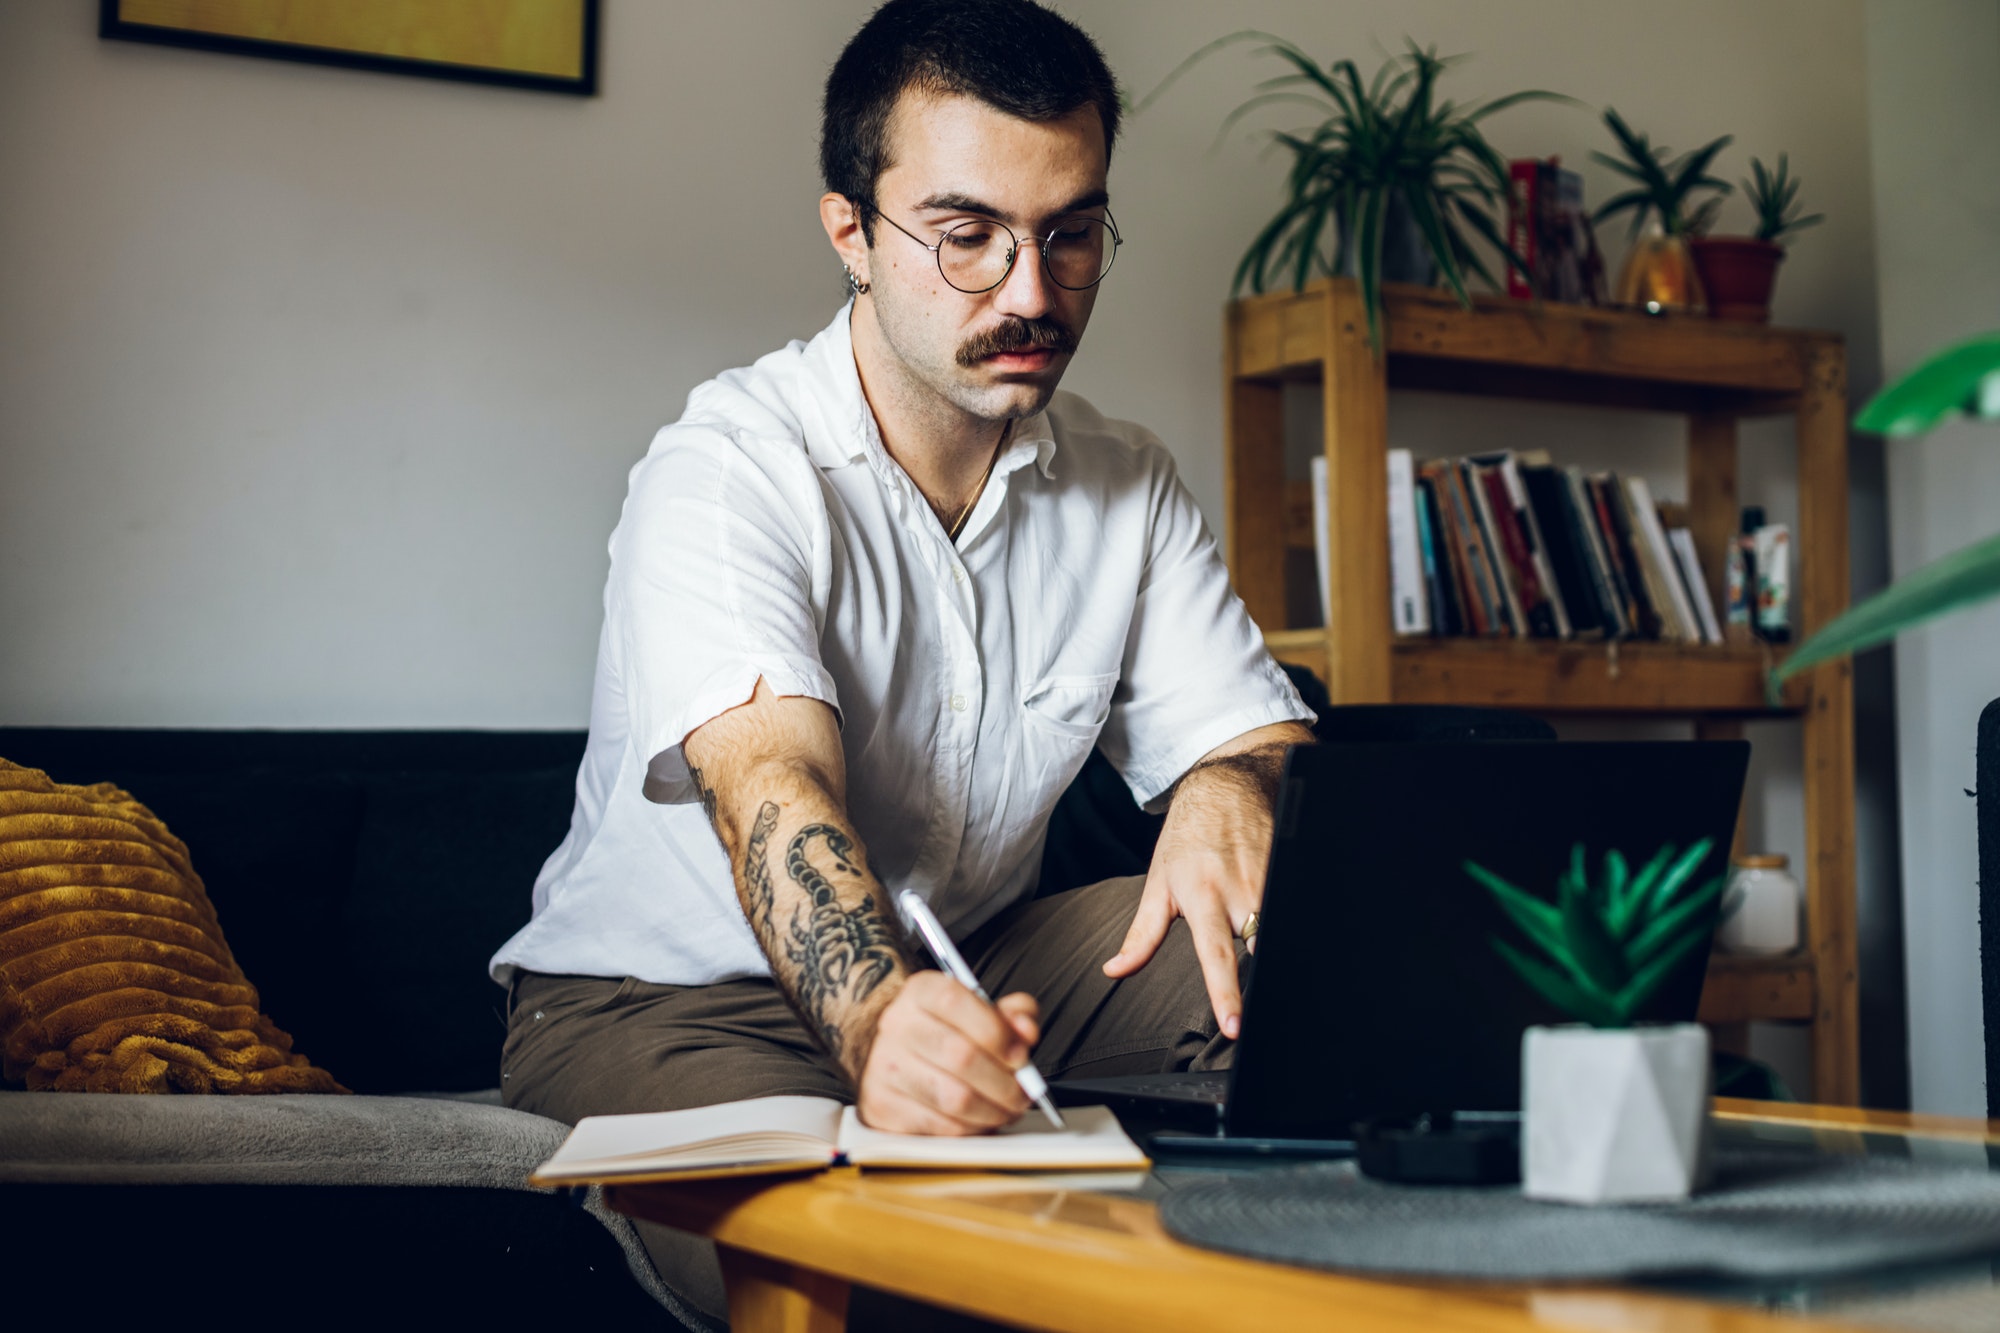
(579, 1046)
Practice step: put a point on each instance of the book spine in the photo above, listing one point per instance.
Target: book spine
(1538, 548)
(1612, 513)
(1682, 540)
(1658, 562)
(1523, 219)
(1437, 569)
(1409, 606)
(1506, 605)
(1322, 536)
(1555, 520)
(1459, 535)
(1530, 604)
(1617, 617)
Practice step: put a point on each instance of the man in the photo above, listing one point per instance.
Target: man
(872, 603)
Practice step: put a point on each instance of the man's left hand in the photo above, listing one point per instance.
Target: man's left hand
(1209, 863)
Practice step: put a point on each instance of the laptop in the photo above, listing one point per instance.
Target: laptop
(1375, 990)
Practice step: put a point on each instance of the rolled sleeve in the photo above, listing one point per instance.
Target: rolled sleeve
(715, 568)
(1196, 673)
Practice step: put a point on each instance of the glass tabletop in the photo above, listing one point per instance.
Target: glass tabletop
(1961, 1294)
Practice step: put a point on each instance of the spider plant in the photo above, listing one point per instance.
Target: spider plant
(1389, 135)
(1774, 195)
(1961, 379)
(1610, 945)
(1661, 185)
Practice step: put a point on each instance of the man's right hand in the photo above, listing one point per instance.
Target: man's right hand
(943, 1059)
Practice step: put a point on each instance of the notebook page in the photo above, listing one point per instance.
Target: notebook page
(1093, 1140)
(623, 1141)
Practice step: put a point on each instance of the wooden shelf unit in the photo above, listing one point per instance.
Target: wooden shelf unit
(1710, 371)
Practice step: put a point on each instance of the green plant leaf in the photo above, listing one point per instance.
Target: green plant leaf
(1671, 923)
(1576, 999)
(1960, 580)
(1590, 952)
(1649, 978)
(1626, 915)
(1537, 920)
(1677, 874)
(1963, 378)
(1438, 237)
(1374, 204)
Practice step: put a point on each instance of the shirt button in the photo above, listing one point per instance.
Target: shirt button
(957, 574)
(958, 703)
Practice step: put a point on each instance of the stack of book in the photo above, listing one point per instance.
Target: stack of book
(1509, 545)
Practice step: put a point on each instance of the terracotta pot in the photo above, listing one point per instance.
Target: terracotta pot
(1738, 273)
(1659, 276)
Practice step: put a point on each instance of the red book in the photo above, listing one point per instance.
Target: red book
(1524, 213)
(1535, 608)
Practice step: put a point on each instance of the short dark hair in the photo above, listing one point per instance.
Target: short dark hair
(1013, 55)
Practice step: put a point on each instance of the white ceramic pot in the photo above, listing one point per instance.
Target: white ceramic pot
(1613, 1116)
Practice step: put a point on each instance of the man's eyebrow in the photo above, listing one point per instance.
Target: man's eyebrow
(950, 201)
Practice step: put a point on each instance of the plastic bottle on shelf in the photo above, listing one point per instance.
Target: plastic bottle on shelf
(1763, 909)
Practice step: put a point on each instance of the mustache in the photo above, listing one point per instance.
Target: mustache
(1018, 335)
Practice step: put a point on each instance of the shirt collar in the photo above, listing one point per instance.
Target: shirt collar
(848, 433)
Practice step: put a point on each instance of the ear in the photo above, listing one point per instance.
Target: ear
(842, 221)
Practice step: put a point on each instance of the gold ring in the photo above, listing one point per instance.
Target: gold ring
(1248, 930)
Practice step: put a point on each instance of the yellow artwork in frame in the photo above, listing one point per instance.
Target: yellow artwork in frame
(544, 44)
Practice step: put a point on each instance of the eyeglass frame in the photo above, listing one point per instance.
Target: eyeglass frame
(1013, 250)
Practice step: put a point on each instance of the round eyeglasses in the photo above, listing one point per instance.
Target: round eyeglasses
(977, 255)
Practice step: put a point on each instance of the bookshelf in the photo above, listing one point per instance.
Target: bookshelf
(1711, 372)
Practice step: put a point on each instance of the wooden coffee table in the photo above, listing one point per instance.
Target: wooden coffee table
(1083, 1254)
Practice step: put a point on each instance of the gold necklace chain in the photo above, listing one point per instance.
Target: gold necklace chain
(958, 524)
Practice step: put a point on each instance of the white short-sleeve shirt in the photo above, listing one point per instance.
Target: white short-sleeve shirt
(768, 534)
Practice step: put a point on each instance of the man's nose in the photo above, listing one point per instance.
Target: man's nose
(1026, 290)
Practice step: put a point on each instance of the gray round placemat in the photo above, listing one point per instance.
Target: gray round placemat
(1765, 1215)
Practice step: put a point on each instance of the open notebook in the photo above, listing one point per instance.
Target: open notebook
(769, 1135)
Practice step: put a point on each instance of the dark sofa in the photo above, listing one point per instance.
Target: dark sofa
(362, 880)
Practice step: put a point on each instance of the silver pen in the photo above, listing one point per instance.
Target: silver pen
(918, 913)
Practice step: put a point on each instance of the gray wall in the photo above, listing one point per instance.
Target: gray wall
(1933, 102)
(319, 387)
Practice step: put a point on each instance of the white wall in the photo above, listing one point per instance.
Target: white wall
(1933, 102)
(318, 388)
(321, 385)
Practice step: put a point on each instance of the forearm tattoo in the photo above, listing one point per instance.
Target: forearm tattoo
(842, 953)
(757, 870)
(838, 953)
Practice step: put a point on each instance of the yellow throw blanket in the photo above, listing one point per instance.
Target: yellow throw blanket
(114, 976)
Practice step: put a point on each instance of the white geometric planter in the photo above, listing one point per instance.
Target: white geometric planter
(1613, 1116)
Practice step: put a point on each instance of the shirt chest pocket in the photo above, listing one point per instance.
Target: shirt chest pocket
(1061, 717)
(1069, 709)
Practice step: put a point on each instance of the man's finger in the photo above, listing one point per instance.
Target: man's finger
(981, 1022)
(1149, 927)
(898, 1113)
(967, 1041)
(968, 1100)
(1024, 1016)
(1215, 950)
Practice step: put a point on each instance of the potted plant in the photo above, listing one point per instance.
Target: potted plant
(1612, 1111)
(1738, 272)
(1962, 379)
(1659, 273)
(1393, 182)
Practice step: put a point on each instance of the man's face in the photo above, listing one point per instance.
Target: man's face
(996, 355)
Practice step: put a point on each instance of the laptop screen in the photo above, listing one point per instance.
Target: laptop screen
(1376, 989)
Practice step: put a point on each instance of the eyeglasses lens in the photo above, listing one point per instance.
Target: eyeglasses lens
(976, 256)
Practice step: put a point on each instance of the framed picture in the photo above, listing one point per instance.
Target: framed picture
(549, 45)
